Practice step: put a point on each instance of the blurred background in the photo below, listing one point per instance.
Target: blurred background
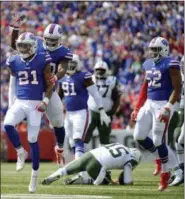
(117, 32)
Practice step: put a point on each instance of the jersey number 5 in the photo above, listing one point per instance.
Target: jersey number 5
(24, 77)
(116, 150)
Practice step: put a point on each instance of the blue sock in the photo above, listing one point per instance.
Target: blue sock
(35, 155)
(73, 150)
(148, 144)
(79, 148)
(13, 136)
(163, 153)
(60, 135)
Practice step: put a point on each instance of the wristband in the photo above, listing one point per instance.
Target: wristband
(46, 100)
(169, 105)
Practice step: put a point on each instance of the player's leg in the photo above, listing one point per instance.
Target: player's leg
(91, 127)
(159, 139)
(55, 114)
(73, 167)
(80, 121)
(34, 121)
(13, 117)
(142, 128)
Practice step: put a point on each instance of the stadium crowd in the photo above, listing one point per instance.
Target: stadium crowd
(117, 32)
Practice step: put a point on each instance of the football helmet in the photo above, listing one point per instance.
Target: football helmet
(158, 48)
(52, 37)
(182, 65)
(136, 155)
(26, 44)
(101, 69)
(74, 65)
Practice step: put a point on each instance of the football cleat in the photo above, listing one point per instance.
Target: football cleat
(164, 179)
(50, 179)
(33, 183)
(157, 170)
(178, 179)
(21, 158)
(59, 156)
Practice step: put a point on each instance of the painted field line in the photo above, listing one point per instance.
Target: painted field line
(121, 188)
(49, 196)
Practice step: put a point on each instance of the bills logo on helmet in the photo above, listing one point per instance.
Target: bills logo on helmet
(164, 42)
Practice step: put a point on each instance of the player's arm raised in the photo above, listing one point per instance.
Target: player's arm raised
(92, 90)
(176, 80)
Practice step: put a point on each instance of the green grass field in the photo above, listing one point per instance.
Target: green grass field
(15, 185)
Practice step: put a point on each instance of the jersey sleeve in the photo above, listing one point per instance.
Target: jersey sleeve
(9, 62)
(68, 54)
(48, 58)
(174, 64)
(87, 75)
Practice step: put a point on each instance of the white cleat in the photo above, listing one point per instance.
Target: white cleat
(179, 179)
(21, 158)
(33, 182)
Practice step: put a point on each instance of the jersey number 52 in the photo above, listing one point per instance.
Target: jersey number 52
(154, 78)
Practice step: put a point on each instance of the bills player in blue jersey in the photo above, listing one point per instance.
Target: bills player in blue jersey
(160, 90)
(51, 41)
(76, 87)
(32, 71)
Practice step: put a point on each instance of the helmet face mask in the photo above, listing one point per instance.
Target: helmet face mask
(100, 72)
(101, 69)
(26, 45)
(158, 48)
(72, 66)
(52, 37)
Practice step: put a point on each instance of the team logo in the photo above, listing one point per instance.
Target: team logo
(164, 42)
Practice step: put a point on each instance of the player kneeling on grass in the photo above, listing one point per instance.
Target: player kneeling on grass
(97, 162)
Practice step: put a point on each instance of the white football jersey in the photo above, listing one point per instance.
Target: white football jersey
(182, 94)
(105, 88)
(112, 156)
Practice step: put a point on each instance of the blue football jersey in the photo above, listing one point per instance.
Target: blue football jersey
(158, 78)
(75, 92)
(57, 55)
(30, 83)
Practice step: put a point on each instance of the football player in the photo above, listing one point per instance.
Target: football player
(96, 163)
(52, 42)
(76, 87)
(160, 90)
(32, 71)
(108, 89)
(179, 134)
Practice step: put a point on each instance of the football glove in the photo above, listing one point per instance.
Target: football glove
(43, 105)
(164, 115)
(17, 20)
(104, 118)
(53, 79)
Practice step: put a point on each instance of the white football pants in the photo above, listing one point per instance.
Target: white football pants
(22, 109)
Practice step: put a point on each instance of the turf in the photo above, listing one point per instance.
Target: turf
(15, 185)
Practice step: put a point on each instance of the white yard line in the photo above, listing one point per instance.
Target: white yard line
(121, 188)
(49, 196)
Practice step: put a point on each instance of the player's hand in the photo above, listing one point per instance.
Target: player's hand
(17, 20)
(53, 79)
(104, 118)
(41, 107)
(164, 115)
(134, 115)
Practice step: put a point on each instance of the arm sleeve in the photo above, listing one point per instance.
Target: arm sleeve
(174, 64)
(128, 174)
(92, 90)
(11, 92)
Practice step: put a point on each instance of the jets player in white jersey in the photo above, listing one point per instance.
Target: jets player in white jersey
(31, 69)
(98, 161)
(52, 42)
(76, 87)
(107, 86)
(160, 91)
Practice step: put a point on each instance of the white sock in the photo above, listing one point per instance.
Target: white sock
(20, 150)
(172, 159)
(61, 172)
(165, 167)
(180, 153)
(78, 154)
(35, 172)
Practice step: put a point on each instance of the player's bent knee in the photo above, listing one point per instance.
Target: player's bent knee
(157, 141)
(32, 138)
(138, 137)
(57, 123)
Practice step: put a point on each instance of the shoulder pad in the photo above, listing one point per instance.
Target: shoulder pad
(11, 59)
(87, 75)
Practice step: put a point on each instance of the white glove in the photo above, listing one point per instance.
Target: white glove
(104, 118)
